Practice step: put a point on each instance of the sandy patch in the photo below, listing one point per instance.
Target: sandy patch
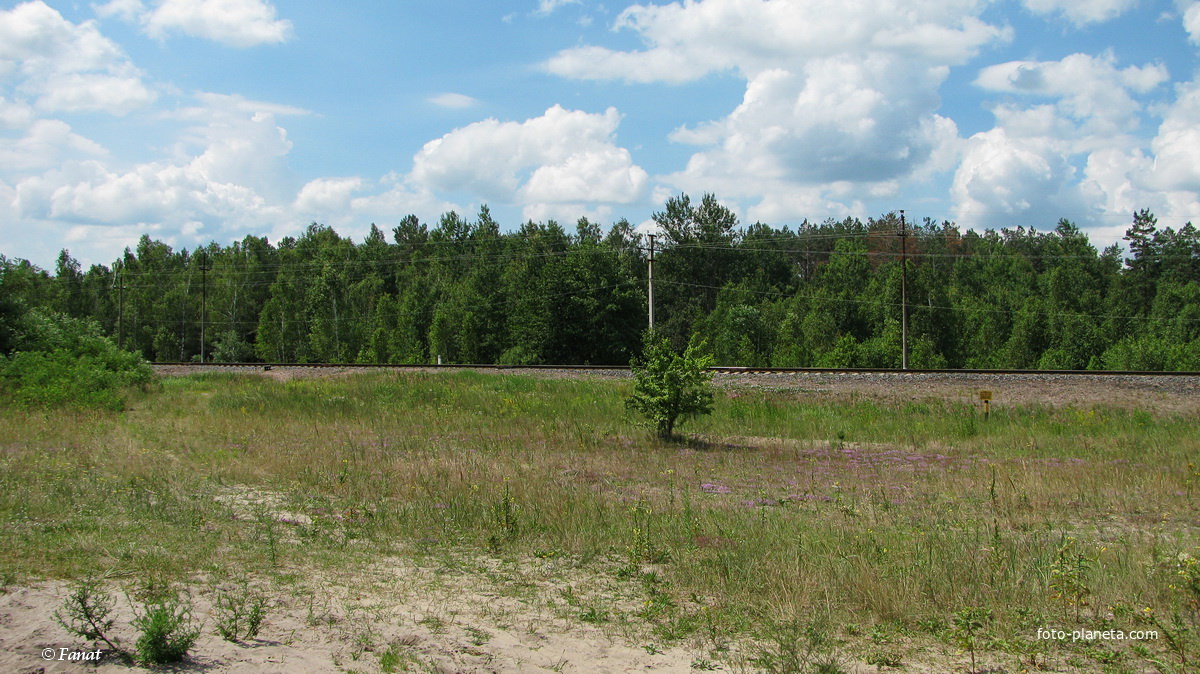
(393, 615)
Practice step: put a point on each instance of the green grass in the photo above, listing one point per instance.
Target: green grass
(781, 509)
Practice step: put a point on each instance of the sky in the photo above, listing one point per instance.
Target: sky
(207, 120)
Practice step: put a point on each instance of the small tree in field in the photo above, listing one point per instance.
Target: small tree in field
(668, 386)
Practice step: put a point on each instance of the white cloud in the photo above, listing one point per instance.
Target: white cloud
(228, 171)
(129, 10)
(89, 192)
(62, 66)
(1081, 12)
(1088, 88)
(1191, 20)
(841, 97)
(797, 139)
(1177, 163)
(1164, 177)
(1005, 182)
(227, 174)
(548, 6)
(39, 39)
(600, 174)
(561, 156)
(327, 195)
(687, 41)
(566, 214)
(395, 196)
(452, 100)
(45, 144)
(237, 141)
(237, 23)
(78, 92)
(15, 114)
(225, 104)
(1085, 114)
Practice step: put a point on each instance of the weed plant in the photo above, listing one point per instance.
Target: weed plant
(908, 516)
(87, 613)
(239, 612)
(166, 629)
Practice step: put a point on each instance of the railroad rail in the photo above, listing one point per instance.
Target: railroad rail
(716, 368)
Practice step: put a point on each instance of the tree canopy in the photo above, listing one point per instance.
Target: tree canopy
(818, 294)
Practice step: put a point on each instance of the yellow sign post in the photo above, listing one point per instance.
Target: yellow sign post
(986, 397)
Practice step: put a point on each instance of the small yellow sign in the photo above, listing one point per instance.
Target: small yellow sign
(985, 395)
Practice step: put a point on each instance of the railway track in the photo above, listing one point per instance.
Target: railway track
(1163, 392)
(718, 369)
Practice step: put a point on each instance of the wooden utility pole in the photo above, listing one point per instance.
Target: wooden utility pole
(903, 293)
(204, 267)
(119, 284)
(651, 282)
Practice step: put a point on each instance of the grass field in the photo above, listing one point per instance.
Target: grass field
(786, 533)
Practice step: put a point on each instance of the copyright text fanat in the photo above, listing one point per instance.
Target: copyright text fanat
(71, 655)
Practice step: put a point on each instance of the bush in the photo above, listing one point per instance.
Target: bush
(87, 613)
(668, 386)
(63, 360)
(167, 631)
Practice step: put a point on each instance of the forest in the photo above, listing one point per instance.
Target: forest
(827, 294)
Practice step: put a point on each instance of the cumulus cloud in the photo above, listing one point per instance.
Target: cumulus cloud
(1088, 88)
(227, 173)
(46, 143)
(840, 119)
(61, 66)
(15, 114)
(799, 139)
(236, 141)
(128, 10)
(687, 41)
(1084, 113)
(1081, 12)
(838, 94)
(1005, 181)
(605, 173)
(228, 170)
(1165, 177)
(237, 23)
(563, 156)
(1177, 164)
(1191, 20)
(327, 195)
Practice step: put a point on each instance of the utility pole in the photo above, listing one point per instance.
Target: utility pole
(651, 282)
(119, 284)
(204, 267)
(903, 293)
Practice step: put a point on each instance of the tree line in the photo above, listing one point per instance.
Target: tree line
(820, 294)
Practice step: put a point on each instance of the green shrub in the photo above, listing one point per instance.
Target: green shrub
(668, 386)
(63, 360)
(167, 631)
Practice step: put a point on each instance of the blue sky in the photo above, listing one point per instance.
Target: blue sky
(200, 120)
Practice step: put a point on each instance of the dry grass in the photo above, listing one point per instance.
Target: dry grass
(874, 519)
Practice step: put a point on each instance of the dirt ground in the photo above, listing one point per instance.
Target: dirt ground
(430, 622)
